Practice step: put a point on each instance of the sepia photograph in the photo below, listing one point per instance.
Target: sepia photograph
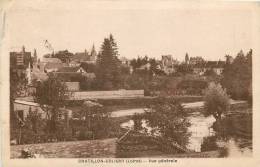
(111, 79)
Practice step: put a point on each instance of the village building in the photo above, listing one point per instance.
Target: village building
(73, 76)
(20, 61)
(76, 71)
(74, 63)
(50, 60)
(196, 60)
(168, 64)
(23, 108)
(71, 70)
(216, 66)
(124, 61)
(50, 64)
(22, 64)
(84, 57)
(199, 69)
(53, 67)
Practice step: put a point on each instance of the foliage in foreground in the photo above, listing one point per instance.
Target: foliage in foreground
(89, 123)
(51, 95)
(167, 119)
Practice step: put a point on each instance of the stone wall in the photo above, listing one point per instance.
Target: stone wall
(117, 94)
(73, 86)
(105, 148)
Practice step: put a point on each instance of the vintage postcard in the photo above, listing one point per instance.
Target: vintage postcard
(145, 83)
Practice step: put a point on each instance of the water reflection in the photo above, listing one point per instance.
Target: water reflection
(234, 147)
(201, 130)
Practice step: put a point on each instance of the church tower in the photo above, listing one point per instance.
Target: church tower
(35, 57)
(93, 54)
(187, 58)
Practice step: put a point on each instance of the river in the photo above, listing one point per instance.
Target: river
(200, 128)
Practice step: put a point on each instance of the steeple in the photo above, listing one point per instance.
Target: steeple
(93, 53)
(93, 50)
(186, 58)
(34, 56)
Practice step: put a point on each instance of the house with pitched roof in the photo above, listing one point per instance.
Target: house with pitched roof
(71, 70)
(84, 57)
(216, 66)
(53, 67)
(168, 64)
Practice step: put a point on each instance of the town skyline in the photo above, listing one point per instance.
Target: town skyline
(208, 34)
(88, 51)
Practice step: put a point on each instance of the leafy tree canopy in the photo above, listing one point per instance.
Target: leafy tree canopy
(216, 101)
(237, 76)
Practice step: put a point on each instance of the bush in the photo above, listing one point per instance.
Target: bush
(192, 87)
(209, 144)
(216, 101)
(85, 135)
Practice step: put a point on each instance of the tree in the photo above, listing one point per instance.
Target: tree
(108, 73)
(168, 119)
(216, 101)
(88, 67)
(209, 143)
(51, 95)
(95, 120)
(237, 76)
(210, 72)
(64, 55)
(184, 69)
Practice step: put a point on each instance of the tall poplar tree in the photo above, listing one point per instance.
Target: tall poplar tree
(108, 73)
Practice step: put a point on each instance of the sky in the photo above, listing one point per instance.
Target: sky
(140, 28)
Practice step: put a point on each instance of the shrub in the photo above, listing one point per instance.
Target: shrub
(209, 144)
(216, 101)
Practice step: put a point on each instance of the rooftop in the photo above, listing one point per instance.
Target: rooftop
(69, 69)
(52, 65)
(51, 60)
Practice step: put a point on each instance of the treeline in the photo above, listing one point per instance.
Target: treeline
(237, 76)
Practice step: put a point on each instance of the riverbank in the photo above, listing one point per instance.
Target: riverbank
(188, 107)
